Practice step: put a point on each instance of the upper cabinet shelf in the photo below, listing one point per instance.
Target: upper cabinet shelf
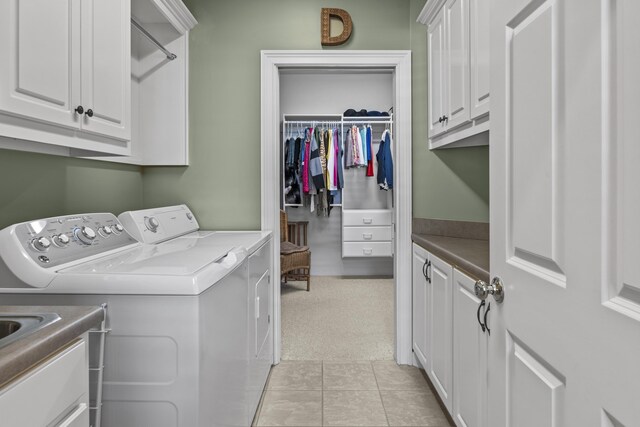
(458, 72)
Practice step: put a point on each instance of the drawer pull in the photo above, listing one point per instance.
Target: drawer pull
(367, 220)
(367, 251)
(367, 236)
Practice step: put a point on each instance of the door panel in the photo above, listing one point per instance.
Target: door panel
(560, 188)
(436, 82)
(479, 40)
(440, 328)
(40, 76)
(457, 62)
(469, 355)
(420, 306)
(106, 67)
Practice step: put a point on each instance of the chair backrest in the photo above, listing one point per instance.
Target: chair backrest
(284, 228)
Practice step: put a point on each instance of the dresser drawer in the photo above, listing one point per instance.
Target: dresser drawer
(366, 249)
(366, 234)
(364, 217)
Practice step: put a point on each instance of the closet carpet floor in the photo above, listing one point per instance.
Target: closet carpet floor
(339, 319)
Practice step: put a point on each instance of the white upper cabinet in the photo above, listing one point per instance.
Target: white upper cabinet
(458, 72)
(479, 30)
(456, 13)
(67, 66)
(106, 67)
(40, 74)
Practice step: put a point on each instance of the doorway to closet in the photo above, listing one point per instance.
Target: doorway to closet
(302, 90)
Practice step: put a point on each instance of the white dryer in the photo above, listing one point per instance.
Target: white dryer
(179, 350)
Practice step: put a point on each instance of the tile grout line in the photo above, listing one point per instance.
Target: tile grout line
(380, 393)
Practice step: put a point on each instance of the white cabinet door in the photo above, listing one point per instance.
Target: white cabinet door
(440, 324)
(40, 71)
(420, 305)
(479, 48)
(565, 205)
(469, 354)
(106, 67)
(456, 62)
(436, 74)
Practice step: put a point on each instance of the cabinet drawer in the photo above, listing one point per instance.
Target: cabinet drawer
(365, 234)
(366, 217)
(58, 389)
(366, 249)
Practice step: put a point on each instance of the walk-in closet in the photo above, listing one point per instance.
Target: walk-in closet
(336, 155)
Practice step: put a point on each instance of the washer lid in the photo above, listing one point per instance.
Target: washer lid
(178, 257)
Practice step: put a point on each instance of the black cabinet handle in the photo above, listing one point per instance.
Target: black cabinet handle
(424, 269)
(445, 118)
(440, 119)
(427, 276)
(478, 315)
(89, 112)
(79, 109)
(485, 318)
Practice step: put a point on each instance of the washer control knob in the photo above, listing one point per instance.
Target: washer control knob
(41, 244)
(85, 235)
(189, 216)
(151, 223)
(117, 229)
(105, 231)
(61, 240)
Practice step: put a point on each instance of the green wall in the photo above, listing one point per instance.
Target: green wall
(37, 185)
(222, 185)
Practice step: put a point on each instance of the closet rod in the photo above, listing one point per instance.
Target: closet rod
(136, 24)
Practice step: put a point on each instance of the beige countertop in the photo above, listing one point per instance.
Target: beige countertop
(26, 352)
(468, 255)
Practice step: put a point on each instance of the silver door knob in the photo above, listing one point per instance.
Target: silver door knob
(496, 288)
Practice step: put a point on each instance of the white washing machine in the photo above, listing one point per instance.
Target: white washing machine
(181, 347)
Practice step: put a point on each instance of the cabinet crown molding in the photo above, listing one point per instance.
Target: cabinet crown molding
(429, 10)
(177, 14)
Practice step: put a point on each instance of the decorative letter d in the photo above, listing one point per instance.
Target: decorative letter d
(325, 23)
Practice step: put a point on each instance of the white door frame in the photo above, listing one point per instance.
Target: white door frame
(399, 61)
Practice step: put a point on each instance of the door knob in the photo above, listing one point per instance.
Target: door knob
(496, 288)
(89, 112)
(79, 109)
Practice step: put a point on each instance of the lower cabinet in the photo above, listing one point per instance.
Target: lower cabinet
(55, 393)
(449, 341)
(469, 354)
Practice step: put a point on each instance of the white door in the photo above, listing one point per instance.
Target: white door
(479, 49)
(106, 67)
(436, 74)
(565, 236)
(420, 305)
(456, 16)
(469, 354)
(40, 69)
(440, 324)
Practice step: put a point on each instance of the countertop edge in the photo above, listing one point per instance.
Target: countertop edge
(19, 357)
(457, 261)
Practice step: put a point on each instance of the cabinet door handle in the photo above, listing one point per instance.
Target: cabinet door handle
(79, 109)
(367, 236)
(485, 318)
(428, 276)
(367, 251)
(424, 269)
(89, 113)
(445, 118)
(367, 220)
(440, 119)
(478, 315)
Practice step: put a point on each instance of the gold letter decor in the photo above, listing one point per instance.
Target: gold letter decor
(325, 23)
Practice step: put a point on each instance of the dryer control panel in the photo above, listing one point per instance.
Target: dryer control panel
(159, 224)
(59, 240)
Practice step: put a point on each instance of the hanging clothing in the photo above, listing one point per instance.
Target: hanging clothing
(339, 153)
(305, 163)
(385, 162)
(369, 153)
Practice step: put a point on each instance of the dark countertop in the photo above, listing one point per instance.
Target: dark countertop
(468, 255)
(22, 354)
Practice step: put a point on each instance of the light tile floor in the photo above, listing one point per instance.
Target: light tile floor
(348, 393)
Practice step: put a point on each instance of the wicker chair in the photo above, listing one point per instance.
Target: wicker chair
(295, 256)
